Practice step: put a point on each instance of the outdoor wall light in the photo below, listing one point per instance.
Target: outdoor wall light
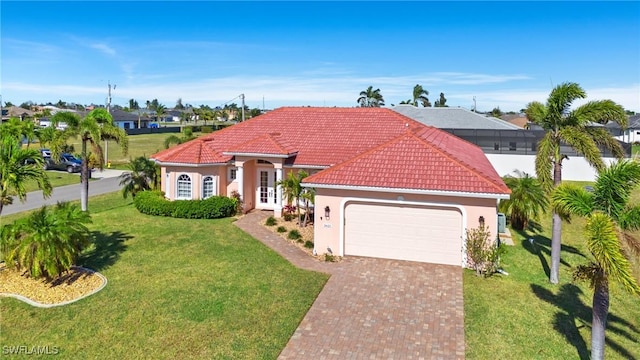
(327, 212)
(481, 220)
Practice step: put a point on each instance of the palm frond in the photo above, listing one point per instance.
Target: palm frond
(629, 219)
(603, 243)
(600, 111)
(561, 97)
(536, 113)
(569, 199)
(604, 139)
(614, 186)
(583, 144)
(547, 148)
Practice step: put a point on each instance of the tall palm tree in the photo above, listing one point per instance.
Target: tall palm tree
(571, 127)
(527, 201)
(47, 242)
(610, 218)
(143, 176)
(371, 98)
(17, 167)
(420, 95)
(96, 126)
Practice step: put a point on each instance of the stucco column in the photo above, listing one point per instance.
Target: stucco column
(240, 178)
(277, 209)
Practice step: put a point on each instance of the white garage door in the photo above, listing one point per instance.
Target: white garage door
(416, 233)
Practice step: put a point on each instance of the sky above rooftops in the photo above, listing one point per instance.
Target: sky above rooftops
(504, 54)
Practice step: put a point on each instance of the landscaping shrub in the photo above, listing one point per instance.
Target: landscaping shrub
(281, 229)
(235, 195)
(271, 221)
(206, 129)
(308, 244)
(288, 217)
(329, 258)
(154, 203)
(483, 255)
(294, 235)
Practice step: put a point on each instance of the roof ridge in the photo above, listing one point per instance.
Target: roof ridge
(454, 158)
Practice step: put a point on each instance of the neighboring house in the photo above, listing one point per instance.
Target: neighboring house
(386, 186)
(631, 134)
(17, 112)
(130, 120)
(453, 118)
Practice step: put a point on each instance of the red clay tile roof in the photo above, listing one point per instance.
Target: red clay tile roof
(379, 143)
(427, 159)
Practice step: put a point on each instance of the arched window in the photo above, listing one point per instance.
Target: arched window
(183, 190)
(208, 187)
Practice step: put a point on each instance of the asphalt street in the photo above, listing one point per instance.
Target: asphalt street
(107, 181)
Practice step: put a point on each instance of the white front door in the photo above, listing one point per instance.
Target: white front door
(266, 188)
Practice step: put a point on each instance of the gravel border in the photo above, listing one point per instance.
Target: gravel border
(41, 305)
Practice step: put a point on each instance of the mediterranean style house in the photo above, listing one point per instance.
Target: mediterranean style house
(385, 185)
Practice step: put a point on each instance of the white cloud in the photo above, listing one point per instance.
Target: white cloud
(104, 48)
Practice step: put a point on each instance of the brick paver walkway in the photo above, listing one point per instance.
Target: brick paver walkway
(374, 308)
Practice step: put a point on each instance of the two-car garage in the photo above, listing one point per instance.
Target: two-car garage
(425, 233)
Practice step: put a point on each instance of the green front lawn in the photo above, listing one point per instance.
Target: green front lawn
(523, 316)
(177, 289)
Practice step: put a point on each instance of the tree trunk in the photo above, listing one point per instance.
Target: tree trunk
(600, 308)
(556, 237)
(84, 178)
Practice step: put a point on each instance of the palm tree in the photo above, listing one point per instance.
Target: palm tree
(371, 98)
(420, 94)
(161, 110)
(527, 201)
(47, 242)
(17, 167)
(610, 218)
(96, 126)
(292, 189)
(571, 127)
(143, 176)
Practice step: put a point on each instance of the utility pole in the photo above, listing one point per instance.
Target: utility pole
(474, 104)
(106, 143)
(242, 97)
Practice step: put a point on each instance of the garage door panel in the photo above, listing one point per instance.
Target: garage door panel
(427, 234)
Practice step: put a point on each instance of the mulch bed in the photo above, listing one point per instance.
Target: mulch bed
(306, 232)
(69, 286)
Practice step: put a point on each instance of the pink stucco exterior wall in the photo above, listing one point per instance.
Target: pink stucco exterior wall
(327, 233)
(168, 184)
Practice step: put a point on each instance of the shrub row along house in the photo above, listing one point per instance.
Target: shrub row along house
(386, 186)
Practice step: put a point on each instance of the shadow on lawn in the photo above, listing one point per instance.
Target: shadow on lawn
(541, 247)
(572, 310)
(106, 251)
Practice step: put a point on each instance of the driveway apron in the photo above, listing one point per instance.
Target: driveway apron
(374, 308)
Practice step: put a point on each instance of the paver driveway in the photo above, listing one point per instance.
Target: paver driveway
(374, 308)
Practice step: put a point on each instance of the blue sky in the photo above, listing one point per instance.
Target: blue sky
(505, 54)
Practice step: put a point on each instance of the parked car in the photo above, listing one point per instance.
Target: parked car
(66, 162)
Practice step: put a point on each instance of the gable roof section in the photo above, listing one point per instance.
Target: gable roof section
(453, 118)
(268, 144)
(428, 159)
(200, 151)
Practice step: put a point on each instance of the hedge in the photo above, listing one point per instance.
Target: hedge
(154, 203)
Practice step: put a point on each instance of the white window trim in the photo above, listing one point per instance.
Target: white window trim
(229, 174)
(214, 180)
(190, 187)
